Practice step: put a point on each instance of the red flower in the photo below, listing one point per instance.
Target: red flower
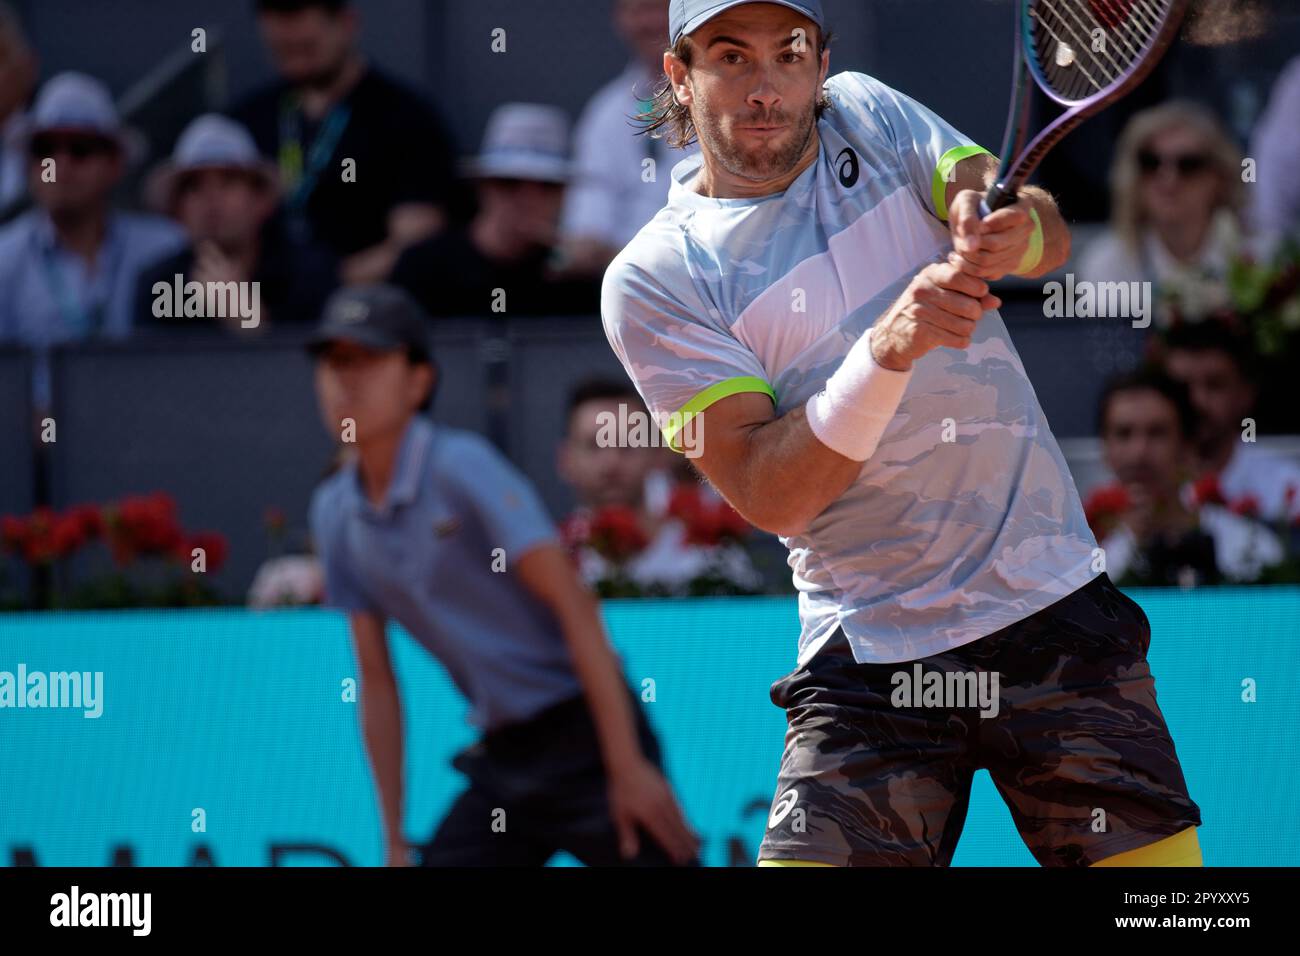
(89, 518)
(38, 543)
(13, 533)
(708, 522)
(1206, 491)
(1247, 506)
(731, 523)
(66, 534)
(214, 545)
(1104, 507)
(616, 533)
(685, 503)
(145, 525)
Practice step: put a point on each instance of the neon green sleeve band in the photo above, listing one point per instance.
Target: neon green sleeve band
(941, 173)
(1034, 254)
(714, 393)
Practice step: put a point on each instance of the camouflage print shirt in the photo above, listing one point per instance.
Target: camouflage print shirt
(965, 519)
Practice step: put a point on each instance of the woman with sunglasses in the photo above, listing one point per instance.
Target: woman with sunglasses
(1176, 200)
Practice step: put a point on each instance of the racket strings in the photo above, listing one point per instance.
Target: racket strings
(1064, 32)
(1079, 46)
(1115, 14)
(1066, 69)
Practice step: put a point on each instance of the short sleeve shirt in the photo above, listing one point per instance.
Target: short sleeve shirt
(439, 558)
(966, 518)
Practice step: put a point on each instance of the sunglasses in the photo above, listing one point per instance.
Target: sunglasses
(1185, 164)
(78, 147)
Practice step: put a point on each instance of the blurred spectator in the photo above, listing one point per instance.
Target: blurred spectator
(1153, 529)
(224, 194)
(499, 263)
(329, 106)
(17, 81)
(614, 191)
(69, 267)
(624, 543)
(1176, 200)
(1276, 149)
(1215, 364)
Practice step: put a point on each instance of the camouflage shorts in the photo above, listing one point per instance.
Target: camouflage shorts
(1074, 742)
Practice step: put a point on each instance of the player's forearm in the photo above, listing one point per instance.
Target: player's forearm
(547, 574)
(381, 717)
(788, 477)
(601, 676)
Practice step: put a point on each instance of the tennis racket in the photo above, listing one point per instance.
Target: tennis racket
(1085, 55)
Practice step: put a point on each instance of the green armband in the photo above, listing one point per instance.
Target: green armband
(1034, 254)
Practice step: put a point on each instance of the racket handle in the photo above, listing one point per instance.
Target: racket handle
(996, 198)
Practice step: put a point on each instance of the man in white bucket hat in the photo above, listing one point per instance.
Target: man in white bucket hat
(68, 266)
(224, 193)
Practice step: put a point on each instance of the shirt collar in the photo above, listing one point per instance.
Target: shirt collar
(680, 191)
(412, 456)
(47, 240)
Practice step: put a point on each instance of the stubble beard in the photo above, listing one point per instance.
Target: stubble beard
(761, 162)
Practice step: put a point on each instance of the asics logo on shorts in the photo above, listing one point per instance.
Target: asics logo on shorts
(784, 804)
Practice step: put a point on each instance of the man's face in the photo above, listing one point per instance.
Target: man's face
(602, 476)
(309, 47)
(753, 89)
(1220, 395)
(527, 208)
(86, 168)
(377, 389)
(643, 25)
(1141, 441)
(225, 206)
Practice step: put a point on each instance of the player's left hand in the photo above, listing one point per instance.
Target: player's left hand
(639, 796)
(990, 248)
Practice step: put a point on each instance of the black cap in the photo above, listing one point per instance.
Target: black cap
(376, 316)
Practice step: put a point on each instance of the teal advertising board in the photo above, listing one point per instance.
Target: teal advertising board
(227, 736)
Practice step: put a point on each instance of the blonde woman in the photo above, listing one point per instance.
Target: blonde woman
(1176, 200)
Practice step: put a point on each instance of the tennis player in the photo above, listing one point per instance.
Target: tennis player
(433, 528)
(811, 311)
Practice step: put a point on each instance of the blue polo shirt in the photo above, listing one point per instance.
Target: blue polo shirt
(425, 559)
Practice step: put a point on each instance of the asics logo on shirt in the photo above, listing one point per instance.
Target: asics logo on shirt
(846, 165)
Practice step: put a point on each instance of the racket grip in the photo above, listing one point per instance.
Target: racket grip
(996, 198)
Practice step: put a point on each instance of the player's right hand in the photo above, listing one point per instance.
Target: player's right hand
(938, 309)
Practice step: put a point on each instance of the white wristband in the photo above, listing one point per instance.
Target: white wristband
(851, 413)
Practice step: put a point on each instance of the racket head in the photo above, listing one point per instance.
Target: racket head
(1089, 53)
(1136, 32)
